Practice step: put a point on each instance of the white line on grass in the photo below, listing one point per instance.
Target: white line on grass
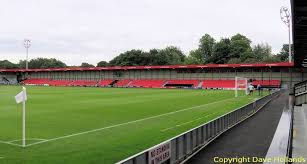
(30, 139)
(126, 123)
(211, 114)
(166, 129)
(8, 143)
(185, 123)
(163, 130)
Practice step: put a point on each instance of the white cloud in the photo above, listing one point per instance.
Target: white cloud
(78, 31)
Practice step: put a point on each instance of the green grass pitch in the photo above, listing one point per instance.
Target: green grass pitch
(102, 125)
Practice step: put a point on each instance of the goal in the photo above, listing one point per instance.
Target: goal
(241, 84)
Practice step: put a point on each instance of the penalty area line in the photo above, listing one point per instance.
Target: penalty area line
(126, 123)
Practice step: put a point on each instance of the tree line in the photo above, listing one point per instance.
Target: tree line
(236, 49)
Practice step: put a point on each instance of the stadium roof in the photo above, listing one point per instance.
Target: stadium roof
(299, 26)
(269, 65)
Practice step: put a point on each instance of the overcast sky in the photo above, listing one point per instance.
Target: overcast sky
(76, 31)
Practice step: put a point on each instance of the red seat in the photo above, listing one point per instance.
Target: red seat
(267, 83)
(60, 82)
(36, 81)
(84, 83)
(103, 83)
(184, 82)
(122, 83)
(222, 84)
(147, 83)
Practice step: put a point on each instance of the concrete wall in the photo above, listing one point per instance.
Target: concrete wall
(12, 78)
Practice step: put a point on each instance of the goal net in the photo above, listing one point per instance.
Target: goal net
(241, 84)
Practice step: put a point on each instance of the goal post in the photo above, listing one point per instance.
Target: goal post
(241, 84)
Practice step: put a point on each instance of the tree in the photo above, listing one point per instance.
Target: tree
(170, 55)
(221, 52)
(240, 47)
(271, 59)
(195, 57)
(284, 53)
(206, 45)
(87, 65)
(250, 60)
(5, 64)
(130, 58)
(43, 63)
(102, 64)
(234, 61)
(262, 51)
(22, 64)
(167, 56)
(154, 57)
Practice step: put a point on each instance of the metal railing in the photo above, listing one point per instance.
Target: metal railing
(300, 93)
(179, 148)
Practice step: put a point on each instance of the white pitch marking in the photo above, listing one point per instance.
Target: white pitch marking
(178, 125)
(126, 123)
(210, 114)
(185, 123)
(14, 141)
(163, 130)
(198, 118)
(30, 139)
(8, 143)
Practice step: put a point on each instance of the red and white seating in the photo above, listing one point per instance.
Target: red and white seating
(84, 83)
(103, 83)
(122, 83)
(147, 83)
(218, 84)
(36, 81)
(194, 83)
(267, 83)
(60, 82)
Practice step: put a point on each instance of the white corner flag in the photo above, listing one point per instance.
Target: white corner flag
(22, 97)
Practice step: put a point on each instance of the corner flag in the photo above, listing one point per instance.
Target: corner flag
(22, 97)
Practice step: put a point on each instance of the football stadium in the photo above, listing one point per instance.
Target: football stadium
(159, 114)
(158, 103)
